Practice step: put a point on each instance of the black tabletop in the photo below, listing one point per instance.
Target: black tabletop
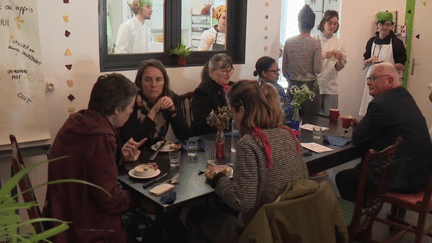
(193, 185)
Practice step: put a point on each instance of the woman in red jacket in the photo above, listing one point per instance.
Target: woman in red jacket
(91, 142)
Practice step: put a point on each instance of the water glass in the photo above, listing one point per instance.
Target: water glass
(235, 135)
(174, 157)
(210, 155)
(316, 132)
(192, 147)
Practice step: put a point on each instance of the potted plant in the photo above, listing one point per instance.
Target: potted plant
(10, 221)
(181, 51)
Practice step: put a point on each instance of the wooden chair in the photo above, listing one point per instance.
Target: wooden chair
(419, 203)
(186, 106)
(25, 184)
(359, 216)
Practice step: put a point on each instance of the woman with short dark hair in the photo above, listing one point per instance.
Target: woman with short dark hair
(91, 144)
(334, 59)
(156, 107)
(210, 94)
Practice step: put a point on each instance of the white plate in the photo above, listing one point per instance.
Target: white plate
(166, 147)
(230, 174)
(156, 173)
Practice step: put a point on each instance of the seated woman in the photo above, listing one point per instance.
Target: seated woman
(156, 107)
(268, 71)
(214, 38)
(211, 93)
(267, 158)
(92, 145)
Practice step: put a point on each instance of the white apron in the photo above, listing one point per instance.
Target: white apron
(385, 53)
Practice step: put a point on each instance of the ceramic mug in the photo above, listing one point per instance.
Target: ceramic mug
(334, 115)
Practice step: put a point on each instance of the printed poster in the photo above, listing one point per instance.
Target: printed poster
(23, 109)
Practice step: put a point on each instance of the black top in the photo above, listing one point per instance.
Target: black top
(399, 51)
(395, 114)
(149, 129)
(207, 97)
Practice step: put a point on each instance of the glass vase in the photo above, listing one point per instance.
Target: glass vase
(220, 144)
(296, 120)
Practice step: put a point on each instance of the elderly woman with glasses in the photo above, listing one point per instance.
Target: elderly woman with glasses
(211, 93)
(268, 71)
(268, 158)
(384, 46)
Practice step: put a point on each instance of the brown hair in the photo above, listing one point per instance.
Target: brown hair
(152, 63)
(329, 14)
(111, 91)
(213, 63)
(260, 102)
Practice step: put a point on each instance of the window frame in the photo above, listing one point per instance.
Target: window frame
(235, 42)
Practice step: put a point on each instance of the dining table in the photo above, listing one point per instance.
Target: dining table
(193, 185)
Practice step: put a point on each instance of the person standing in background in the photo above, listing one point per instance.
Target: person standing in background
(302, 59)
(384, 46)
(214, 38)
(133, 35)
(334, 60)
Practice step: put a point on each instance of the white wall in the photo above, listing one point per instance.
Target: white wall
(357, 26)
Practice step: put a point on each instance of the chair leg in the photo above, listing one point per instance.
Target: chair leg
(420, 227)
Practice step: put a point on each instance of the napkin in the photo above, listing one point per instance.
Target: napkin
(336, 140)
(201, 144)
(317, 148)
(169, 199)
(310, 127)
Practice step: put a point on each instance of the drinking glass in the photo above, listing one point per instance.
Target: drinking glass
(211, 155)
(174, 157)
(192, 147)
(316, 132)
(235, 135)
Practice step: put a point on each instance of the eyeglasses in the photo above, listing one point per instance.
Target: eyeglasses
(227, 71)
(274, 71)
(374, 78)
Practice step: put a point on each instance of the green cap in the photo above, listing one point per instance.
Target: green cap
(384, 16)
(143, 3)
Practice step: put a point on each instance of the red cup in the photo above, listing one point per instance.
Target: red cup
(334, 115)
(346, 121)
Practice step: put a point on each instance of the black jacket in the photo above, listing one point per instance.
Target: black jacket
(209, 95)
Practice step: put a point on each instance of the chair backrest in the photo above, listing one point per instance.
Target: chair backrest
(186, 106)
(372, 188)
(25, 184)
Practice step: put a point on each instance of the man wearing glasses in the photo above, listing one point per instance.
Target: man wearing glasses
(392, 113)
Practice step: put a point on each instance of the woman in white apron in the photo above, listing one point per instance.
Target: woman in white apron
(385, 46)
(334, 60)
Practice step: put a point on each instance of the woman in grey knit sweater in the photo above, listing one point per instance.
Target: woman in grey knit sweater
(268, 157)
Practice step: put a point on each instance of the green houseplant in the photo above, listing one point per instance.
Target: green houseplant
(10, 221)
(181, 51)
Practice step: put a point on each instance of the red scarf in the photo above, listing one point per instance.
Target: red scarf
(257, 132)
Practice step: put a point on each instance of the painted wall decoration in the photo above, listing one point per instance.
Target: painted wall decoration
(22, 90)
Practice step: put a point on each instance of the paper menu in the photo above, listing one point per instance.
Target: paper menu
(317, 148)
(309, 127)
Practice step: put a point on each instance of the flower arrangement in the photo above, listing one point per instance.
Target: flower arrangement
(220, 118)
(300, 95)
